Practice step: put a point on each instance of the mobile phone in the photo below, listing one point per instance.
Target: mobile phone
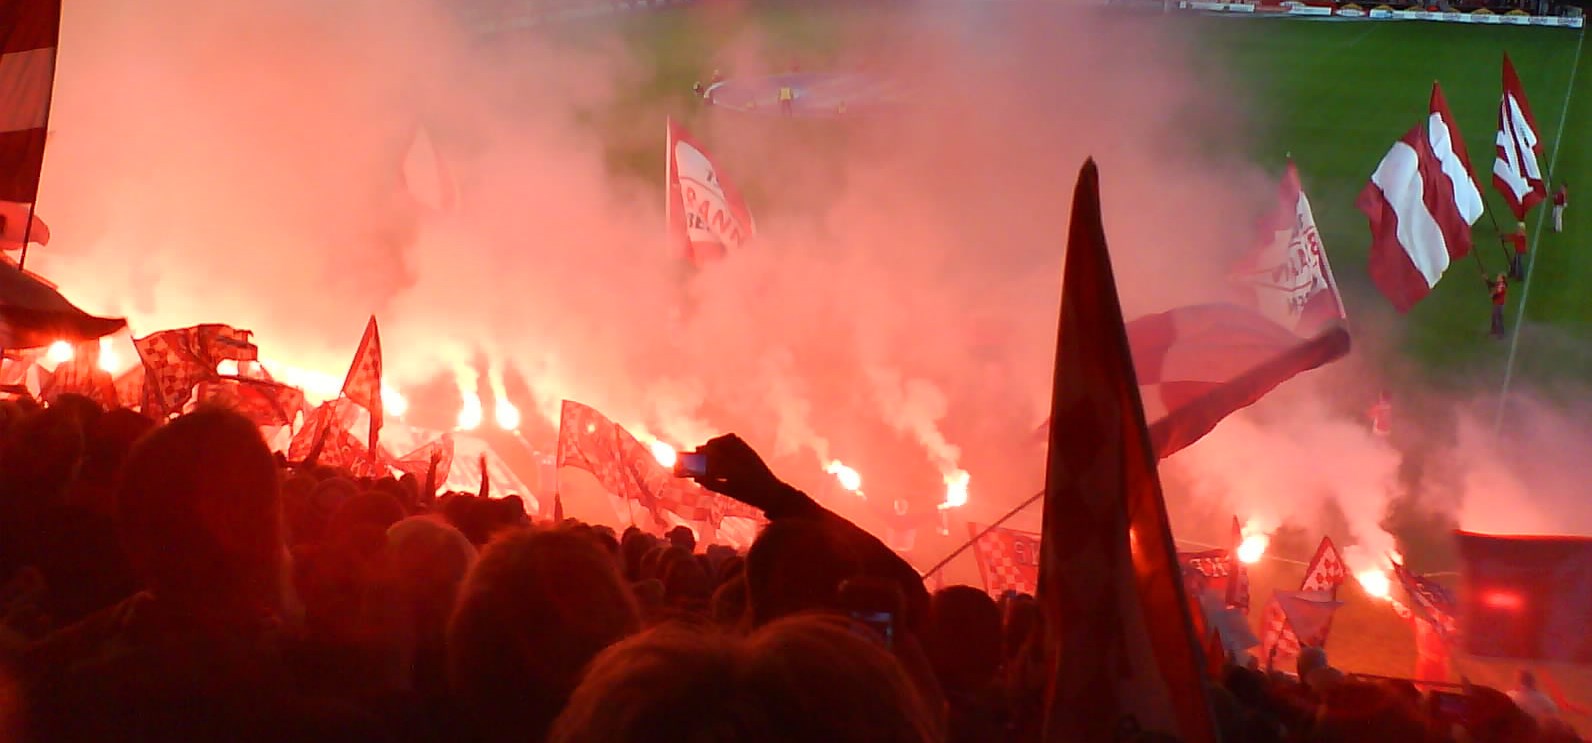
(882, 622)
(691, 464)
(873, 603)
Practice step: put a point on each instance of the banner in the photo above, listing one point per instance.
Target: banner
(1528, 598)
(1008, 560)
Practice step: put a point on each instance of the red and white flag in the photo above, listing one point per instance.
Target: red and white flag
(1118, 621)
(1517, 167)
(1326, 571)
(707, 218)
(29, 30)
(1008, 559)
(363, 383)
(1421, 201)
(20, 226)
(177, 360)
(1238, 583)
(1288, 276)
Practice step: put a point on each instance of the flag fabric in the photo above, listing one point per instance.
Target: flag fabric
(707, 218)
(1293, 620)
(177, 360)
(33, 314)
(1238, 584)
(20, 226)
(1206, 571)
(418, 462)
(1008, 559)
(427, 177)
(1278, 643)
(1430, 600)
(1119, 624)
(1200, 363)
(625, 467)
(1288, 277)
(1326, 570)
(1527, 598)
(325, 426)
(1431, 651)
(363, 383)
(1421, 201)
(264, 402)
(1517, 166)
(29, 30)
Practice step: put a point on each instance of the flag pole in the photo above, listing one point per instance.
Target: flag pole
(992, 527)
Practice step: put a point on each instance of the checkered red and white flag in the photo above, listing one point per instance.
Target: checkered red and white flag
(363, 384)
(1326, 571)
(1008, 560)
(176, 360)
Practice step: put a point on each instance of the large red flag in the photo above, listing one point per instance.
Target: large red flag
(1527, 597)
(1517, 167)
(29, 30)
(1421, 201)
(363, 384)
(1125, 653)
(707, 218)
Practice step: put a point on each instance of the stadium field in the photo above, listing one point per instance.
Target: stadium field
(1334, 95)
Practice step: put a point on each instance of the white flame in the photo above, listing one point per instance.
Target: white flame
(1253, 548)
(470, 414)
(108, 361)
(392, 402)
(665, 454)
(849, 478)
(956, 489)
(1375, 582)
(60, 352)
(506, 415)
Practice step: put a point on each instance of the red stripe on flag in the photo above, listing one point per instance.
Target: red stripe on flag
(1151, 337)
(29, 24)
(1110, 585)
(1439, 195)
(21, 156)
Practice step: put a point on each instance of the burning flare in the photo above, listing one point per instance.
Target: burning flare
(956, 489)
(665, 454)
(470, 415)
(506, 415)
(108, 361)
(849, 478)
(60, 352)
(1253, 548)
(393, 403)
(1375, 582)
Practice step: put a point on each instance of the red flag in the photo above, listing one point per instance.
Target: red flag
(1238, 583)
(29, 30)
(264, 402)
(707, 218)
(1118, 620)
(20, 226)
(626, 469)
(418, 462)
(1326, 571)
(1517, 166)
(1421, 201)
(1528, 598)
(1008, 560)
(1288, 276)
(1201, 363)
(363, 384)
(176, 360)
(1278, 643)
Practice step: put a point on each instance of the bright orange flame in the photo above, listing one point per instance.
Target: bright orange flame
(470, 414)
(1375, 582)
(506, 415)
(849, 478)
(392, 402)
(60, 352)
(665, 454)
(1253, 548)
(108, 361)
(956, 489)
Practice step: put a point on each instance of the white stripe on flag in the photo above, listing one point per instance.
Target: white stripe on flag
(1517, 142)
(1399, 178)
(25, 78)
(1467, 198)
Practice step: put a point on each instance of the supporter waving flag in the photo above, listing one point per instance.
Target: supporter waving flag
(1421, 201)
(1517, 168)
(707, 217)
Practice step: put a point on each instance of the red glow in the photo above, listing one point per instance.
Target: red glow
(1503, 600)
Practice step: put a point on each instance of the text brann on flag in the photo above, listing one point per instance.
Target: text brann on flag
(1122, 634)
(1008, 559)
(363, 383)
(707, 217)
(1422, 200)
(1517, 167)
(1287, 276)
(1528, 598)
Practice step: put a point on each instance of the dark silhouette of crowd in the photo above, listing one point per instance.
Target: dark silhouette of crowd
(179, 582)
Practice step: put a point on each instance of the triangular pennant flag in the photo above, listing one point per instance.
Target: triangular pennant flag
(363, 383)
